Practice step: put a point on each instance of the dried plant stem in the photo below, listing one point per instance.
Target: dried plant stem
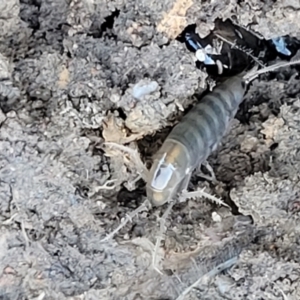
(135, 156)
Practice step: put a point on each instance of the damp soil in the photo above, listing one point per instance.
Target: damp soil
(68, 73)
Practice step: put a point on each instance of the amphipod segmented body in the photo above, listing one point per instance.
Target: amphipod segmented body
(193, 139)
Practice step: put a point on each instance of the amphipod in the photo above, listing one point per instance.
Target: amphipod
(192, 140)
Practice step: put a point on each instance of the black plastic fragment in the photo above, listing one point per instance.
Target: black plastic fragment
(231, 49)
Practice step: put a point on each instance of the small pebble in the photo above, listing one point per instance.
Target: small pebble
(216, 217)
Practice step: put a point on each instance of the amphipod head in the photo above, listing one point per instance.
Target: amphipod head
(170, 167)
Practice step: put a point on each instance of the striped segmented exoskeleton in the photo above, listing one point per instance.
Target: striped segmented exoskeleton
(197, 135)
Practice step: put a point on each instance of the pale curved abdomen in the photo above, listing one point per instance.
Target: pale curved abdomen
(193, 139)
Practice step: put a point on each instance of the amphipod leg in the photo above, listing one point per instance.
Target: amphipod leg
(184, 194)
(185, 183)
(212, 176)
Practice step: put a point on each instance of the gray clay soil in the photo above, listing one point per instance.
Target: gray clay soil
(68, 72)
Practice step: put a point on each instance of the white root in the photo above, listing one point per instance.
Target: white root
(108, 185)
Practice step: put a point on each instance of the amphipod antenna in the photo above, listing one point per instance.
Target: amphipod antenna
(251, 75)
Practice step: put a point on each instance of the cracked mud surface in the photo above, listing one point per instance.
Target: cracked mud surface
(68, 70)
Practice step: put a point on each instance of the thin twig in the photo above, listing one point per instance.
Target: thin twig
(8, 221)
(253, 74)
(238, 48)
(23, 230)
(219, 268)
(285, 297)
